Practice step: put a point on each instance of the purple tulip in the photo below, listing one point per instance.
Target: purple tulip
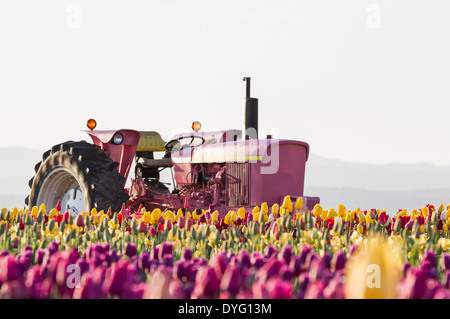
(286, 253)
(168, 260)
(286, 273)
(295, 265)
(219, 263)
(155, 253)
(410, 225)
(270, 251)
(304, 253)
(279, 289)
(206, 283)
(9, 269)
(166, 249)
(414, 284)
(258, 262)
(244, 259)
(231, 280)
(187, 254)
(117, 280)
(446, 261)
(430, 257)
(270, 269)
(339, 260)
(130, 249)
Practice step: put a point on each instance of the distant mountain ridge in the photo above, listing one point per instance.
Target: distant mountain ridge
(324, 172)
(389, 186)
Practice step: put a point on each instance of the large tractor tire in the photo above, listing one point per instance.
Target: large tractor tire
(79, 174)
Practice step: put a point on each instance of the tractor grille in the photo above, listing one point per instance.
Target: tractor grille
(238, 184)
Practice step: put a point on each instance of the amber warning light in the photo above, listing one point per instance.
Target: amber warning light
(196, 126)
(91, 124)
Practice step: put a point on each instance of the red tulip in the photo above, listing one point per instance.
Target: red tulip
(79, 221)
(160, 228)
(142, 227)
(383, 218)
(168, 224)
(58, 206)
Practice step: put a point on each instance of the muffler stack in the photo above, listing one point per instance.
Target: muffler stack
(250, 117)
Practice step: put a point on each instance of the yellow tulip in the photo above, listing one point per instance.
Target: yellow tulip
(234, 216)
(104, 217)
(298, 215)
(360, 228)
(94, 211)
(195, 215)
(111, 224)
(256, 216)
(331, 214)
(156, 214)
(324, 214)
(317, 211)
(34, 211)
(52, 212)
(425, 211)
(147, 217)
(42, 208)
(95, 220)
(215, 217)
(255, 210)
(299, 203)
(342, 210)
(261, 217)
(374, 274)
(170, 215)
(368, 219)
(287, 203)
(441, 208)
(264, 208)
(227, 219)
(275, 209)
(241, 212)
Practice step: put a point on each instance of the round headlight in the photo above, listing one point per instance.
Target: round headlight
(117, 138)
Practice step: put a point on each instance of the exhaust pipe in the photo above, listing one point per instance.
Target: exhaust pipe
(250, 117)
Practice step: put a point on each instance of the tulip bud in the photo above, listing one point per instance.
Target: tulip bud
(142, 227)
(168, 224)
(51, 224)
(79, 220)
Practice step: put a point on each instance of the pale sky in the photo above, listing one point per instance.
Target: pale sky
(361, 81)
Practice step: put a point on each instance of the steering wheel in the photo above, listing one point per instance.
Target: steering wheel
(175, 145)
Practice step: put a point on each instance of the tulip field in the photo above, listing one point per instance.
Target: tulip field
(283, 251)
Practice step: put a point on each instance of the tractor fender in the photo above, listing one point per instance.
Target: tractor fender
(123, 153)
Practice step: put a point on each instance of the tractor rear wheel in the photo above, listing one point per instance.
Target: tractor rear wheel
(79, 174)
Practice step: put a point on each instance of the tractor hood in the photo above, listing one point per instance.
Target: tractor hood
(240, 151)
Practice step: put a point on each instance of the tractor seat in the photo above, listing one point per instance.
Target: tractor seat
(154, 163)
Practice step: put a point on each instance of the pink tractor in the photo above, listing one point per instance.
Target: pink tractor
(222, 170)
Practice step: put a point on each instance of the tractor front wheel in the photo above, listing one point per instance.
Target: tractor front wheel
(79, 174)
